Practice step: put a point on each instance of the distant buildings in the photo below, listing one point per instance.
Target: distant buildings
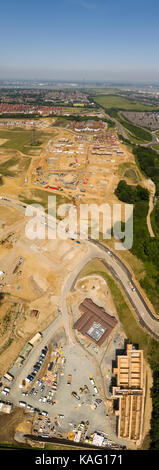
(6, 108)
(51, 102)
(88, 126)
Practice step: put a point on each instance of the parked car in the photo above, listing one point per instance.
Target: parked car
(22, 403)
(44, 413)
(30, 378)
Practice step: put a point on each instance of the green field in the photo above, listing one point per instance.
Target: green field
(131, 174)
(61, 121)
(136, 140)
(22, 165)
(102, 91)
(156, 147)
(130, 171)
(40, 196)
(118, 102)
(21, 140)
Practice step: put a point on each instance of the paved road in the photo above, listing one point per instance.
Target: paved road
(127, 134)
(154, 140)
(121, 274)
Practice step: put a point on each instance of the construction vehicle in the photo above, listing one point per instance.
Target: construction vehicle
(69, 379)
(74, 394)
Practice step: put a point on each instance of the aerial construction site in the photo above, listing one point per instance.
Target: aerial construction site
(60, 326)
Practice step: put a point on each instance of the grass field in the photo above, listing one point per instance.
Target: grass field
(61, 121)
(130, 171)
(21, 140)
(131, 175)
(22, 165)
(99, 91)
(118, 102)
(156, 147)
(39, 196)
(135, 140)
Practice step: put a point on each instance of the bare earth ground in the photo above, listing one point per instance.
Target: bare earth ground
(8, 425)
(2, 141)
(37, 282)
(35, 285)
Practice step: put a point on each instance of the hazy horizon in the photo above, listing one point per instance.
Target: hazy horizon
(105, 83)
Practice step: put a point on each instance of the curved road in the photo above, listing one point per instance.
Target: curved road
(118, 270)
(127, 134)
(123, 276)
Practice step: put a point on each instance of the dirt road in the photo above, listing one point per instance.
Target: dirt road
(149, 184)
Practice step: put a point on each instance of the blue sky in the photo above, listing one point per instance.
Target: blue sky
(80, 39)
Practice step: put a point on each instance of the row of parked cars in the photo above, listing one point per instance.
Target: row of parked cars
(30, 378)
(23, 404)
(41, 388)
(37, 365)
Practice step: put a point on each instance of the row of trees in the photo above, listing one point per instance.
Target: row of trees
(148, 161)
(131, 194)
(147, 249)
(138, 132)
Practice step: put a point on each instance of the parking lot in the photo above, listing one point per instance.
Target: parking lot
(51, 394)
(73, 409)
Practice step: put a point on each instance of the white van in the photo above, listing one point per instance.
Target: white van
(22, 403)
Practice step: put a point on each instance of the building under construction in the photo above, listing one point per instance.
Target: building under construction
(130, 392)
(95, 323)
